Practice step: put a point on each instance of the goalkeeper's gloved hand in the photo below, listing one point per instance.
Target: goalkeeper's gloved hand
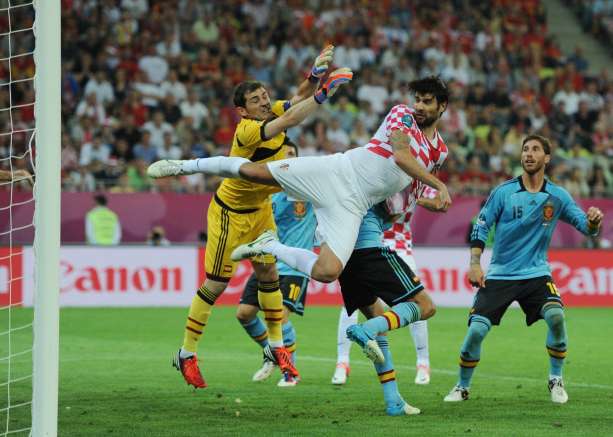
(321, 64)
(336, 79)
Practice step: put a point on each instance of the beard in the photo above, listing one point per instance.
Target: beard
(534, 170)
(426, 122)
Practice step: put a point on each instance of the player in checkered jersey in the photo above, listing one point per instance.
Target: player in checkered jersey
(398, 238)
(341, 187)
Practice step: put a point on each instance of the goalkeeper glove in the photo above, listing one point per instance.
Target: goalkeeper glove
(321, 64)
(336, 79)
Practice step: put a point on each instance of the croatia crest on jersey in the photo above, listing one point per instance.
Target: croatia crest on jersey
(548, 211)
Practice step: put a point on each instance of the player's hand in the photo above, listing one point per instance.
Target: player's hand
(398, 139)
(321, 63)
(335, 80)
(443, 198)
(475, 276)
(594, 216)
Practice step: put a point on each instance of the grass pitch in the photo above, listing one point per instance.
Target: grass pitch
(116, 379)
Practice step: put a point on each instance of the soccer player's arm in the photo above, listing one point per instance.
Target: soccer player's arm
(16, 176)
(431, 200)
(488, 216)
(586, 223)
(308, 87)
(404, 156)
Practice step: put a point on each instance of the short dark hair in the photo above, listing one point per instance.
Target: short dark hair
(243, 88)
(431, 85)
(293, 146)
(100, 199)
(545, 143)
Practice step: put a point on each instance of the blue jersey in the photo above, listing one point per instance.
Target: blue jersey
(296, 226)
(372, 227)
(524, 225)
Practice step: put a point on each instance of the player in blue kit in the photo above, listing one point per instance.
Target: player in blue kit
(376, 273)
(296, 225)
(525, 211)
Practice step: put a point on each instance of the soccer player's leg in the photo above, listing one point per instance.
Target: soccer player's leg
(395, 405)
(542, 300)
(397, 285)
(419, 333)
(489, 306)
(246, 314)
(294, 290)
(343, 346)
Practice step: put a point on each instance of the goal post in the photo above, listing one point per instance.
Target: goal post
(47, 82)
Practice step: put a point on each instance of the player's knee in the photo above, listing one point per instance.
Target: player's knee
(326, 269)
(244, 314)
(554, 316)
(428, 309)
(479, 327)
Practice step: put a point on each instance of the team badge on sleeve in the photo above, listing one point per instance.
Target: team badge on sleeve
(407, 120)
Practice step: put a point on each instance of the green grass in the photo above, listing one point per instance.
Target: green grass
(116, 379)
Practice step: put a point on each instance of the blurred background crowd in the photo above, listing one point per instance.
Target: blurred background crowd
(151, 79)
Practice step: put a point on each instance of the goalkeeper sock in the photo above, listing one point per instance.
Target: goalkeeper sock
(556, 339)
(302, 260)
(470, 353)
(289, 339)
(343, 344)
(198, 316)
(387, 374)
(399, 315)
(419, 332)
(271, 302)
(225, 166)
(257, 331)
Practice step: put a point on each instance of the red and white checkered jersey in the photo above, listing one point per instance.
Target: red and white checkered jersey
(399, 236)
(430, 154)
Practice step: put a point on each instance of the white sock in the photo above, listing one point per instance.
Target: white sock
(299, 259)
(185, 354)
(419, 332)
(343, 344)
(225, 166)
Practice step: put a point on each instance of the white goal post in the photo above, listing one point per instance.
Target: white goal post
(47, 82)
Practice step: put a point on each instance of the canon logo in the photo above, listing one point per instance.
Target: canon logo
(582, 280)
(90, 279)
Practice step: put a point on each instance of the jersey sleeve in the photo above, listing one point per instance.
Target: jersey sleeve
(401, 118)
(574, 215)
(249, 133)
(280, 106)
(488, 216)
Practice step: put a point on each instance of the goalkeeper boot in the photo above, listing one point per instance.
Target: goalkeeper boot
(457, 394)
(167, 167)
(255, 248)
(284, 361)
(558, 393)
(422, 377)
(401, 409)
(268, 365)
(371, 349)
(189, 369)
(340, 374)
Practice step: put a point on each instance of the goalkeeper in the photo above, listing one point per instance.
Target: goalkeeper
(241, 210)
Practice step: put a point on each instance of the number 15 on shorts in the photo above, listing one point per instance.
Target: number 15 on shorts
(553, 289)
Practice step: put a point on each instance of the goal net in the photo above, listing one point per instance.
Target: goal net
(29, 214)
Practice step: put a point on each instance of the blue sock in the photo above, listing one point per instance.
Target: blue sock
(289, 339)
(257, 331)
(556, 338)
(387, 375)
(399, 315)
(470, 353)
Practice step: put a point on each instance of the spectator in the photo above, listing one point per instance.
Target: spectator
(102, 226)
(157, 237)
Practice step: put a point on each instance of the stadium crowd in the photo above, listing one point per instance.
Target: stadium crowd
(146, 80)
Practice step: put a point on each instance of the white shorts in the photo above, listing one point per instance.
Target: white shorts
(329, 183)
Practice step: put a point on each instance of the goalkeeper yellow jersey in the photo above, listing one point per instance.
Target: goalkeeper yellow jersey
(249, 142)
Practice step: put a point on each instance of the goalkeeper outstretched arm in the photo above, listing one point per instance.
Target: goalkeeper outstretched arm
(16, 176)
(308, 87)
(297, 113)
